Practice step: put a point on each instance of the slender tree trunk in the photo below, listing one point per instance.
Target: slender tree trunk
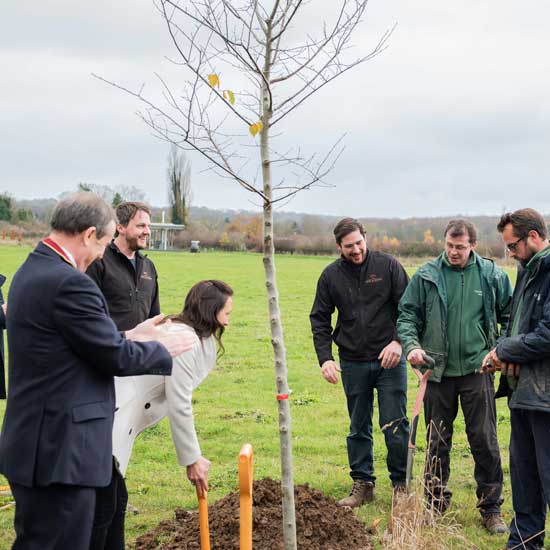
(277, 339)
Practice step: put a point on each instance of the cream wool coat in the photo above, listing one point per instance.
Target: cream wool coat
(142, 401)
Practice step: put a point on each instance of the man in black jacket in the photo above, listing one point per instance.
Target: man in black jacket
(523, 357)
(55, 443)
(365, 287)
(128, 280)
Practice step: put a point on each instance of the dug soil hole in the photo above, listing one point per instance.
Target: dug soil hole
(320, 524)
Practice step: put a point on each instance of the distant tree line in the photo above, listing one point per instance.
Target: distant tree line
(307, 234)
(241, 230)
(9, 212)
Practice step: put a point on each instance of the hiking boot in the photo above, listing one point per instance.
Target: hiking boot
(361, 492)
(494, 524)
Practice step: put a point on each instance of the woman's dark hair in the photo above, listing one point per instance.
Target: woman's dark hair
(202, 304)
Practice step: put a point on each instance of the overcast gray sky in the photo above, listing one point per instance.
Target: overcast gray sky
(452, 118)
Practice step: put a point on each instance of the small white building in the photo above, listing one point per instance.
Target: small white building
(162, 235)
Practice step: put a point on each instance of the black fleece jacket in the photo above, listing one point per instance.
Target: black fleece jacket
(132, 294)
(366, 297)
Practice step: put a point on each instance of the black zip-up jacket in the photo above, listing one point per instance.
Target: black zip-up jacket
(531, 347)
(131, 294)
(366, 297)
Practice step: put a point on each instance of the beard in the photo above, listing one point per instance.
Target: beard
(525, 261)
(133, 244)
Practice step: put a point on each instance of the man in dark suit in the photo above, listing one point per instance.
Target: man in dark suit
(55, 443)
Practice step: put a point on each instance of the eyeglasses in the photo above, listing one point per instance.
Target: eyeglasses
(512, 246)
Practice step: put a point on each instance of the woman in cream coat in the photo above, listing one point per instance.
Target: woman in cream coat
(142, 401)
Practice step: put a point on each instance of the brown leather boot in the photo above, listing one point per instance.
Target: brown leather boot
(361, 492)
(494, 524)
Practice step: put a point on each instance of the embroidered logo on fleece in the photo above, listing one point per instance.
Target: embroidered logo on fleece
(373, 278)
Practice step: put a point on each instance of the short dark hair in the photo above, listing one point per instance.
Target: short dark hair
(82, 210)
(346, 226)
(523, 221)
(459, 227)
(125, 211)
(202, 304)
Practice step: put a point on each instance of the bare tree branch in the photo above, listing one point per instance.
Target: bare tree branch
(311, 89)
(249, 41)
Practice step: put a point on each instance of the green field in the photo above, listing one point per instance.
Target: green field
(236, 404)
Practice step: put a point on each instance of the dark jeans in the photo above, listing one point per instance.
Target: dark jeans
(359, 381)
(476, 394)
(56, 517)
(530, 475)
(110, 513)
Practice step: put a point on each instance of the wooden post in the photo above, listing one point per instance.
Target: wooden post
(246, 462)
(203, 520)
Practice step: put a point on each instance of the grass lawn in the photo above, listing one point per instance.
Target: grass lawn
(236, 404)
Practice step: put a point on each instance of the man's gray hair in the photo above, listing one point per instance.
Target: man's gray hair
(79, 211)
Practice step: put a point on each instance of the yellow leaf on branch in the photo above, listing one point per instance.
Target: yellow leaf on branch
(214, 80)
(256, 128)
(230, 96)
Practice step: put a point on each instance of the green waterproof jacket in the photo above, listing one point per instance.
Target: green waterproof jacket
(422, 321)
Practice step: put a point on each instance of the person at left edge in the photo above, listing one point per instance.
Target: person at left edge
(129, 283)
(56, 438)
(2, 327)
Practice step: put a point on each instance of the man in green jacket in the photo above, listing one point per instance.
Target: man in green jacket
(451, 311)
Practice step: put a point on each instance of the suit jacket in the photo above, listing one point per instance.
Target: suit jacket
(2, 327)
(64, 352)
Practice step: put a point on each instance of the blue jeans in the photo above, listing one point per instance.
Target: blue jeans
(530, 475)
(359, 380)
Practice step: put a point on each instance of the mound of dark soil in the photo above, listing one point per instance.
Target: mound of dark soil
(320, 524)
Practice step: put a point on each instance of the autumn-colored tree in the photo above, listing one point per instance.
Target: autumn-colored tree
(251, 228)
(428, 237)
